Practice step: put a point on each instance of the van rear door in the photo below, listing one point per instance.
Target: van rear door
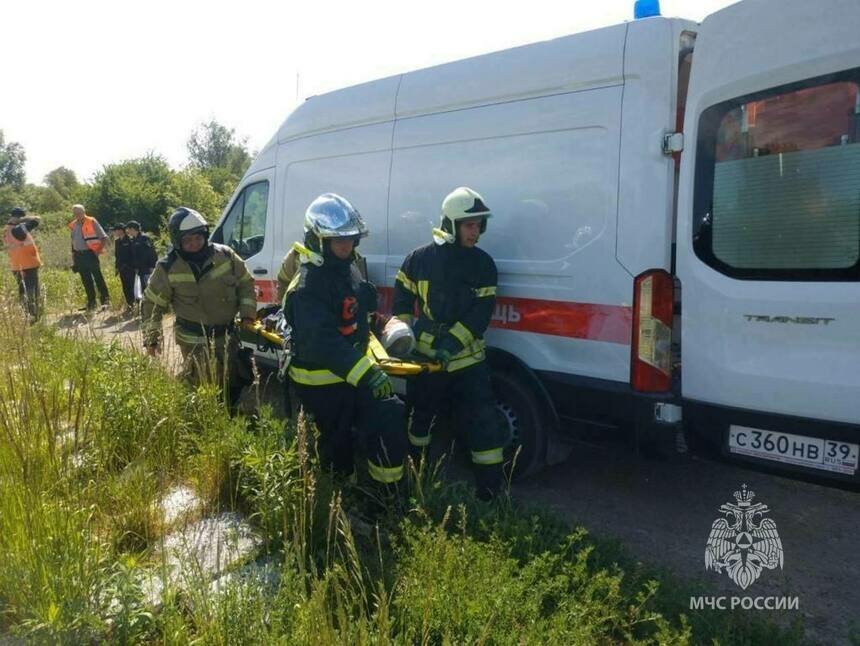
(768, 244)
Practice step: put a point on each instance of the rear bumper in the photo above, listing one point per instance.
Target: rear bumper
(710, 424)
(610, 403)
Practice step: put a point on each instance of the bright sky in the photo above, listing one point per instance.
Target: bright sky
(91, 82)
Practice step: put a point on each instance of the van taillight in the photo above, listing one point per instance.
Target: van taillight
(651, 347)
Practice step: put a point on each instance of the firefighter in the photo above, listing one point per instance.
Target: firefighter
(207, 285)
(451, 285)
(327, 306)
(24, 258)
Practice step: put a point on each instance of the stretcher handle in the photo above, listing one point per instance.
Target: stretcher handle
(391, 366)
(257, 328)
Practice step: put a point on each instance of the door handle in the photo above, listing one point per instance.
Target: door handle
(260, 270)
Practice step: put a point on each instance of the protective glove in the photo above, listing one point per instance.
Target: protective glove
(380, 384)
(443, 357)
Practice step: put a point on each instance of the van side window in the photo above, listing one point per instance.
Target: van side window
(777, 177)
(244, 228)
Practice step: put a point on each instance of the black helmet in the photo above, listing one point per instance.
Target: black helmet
(118, 226)
(185, 221)
(133, 224)
(18, 212)
(331, 216)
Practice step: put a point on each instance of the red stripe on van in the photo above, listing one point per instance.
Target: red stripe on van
(590, 321)
(266, 291)
(608, 323)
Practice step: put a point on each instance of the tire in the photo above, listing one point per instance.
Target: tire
(519, 411)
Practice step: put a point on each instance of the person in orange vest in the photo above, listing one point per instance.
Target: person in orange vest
(24, 258)
(88, 242)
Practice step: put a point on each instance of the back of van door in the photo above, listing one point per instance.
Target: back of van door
(768, 248)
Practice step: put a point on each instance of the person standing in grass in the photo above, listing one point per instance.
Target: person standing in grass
(451, 284)
(24, 258)
(144, 256)
(88, 242)
(328, 305)
(207, 285)
(123, 263)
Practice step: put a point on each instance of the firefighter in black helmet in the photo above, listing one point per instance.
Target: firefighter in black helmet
(451, 284)
(327, 305)
(207, 285)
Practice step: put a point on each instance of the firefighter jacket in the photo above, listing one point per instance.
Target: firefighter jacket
(289, 267)
(452, 290)
(20, 246)
(291, 263)
(208, 294)
(327, 307)
(92, 232)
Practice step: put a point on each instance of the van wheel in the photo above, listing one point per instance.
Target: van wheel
(518, 412)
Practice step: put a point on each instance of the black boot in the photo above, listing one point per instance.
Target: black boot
(234, 394)
(489, 480)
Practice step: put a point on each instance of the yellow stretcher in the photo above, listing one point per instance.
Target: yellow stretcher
(390, 365)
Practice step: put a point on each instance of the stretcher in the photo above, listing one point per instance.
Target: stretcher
(390, 365)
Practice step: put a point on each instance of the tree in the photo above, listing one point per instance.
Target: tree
(135, 189)
(63, 181)
(12, 159)
(191, 188)
(213, 145)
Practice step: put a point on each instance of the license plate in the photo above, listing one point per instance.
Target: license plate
(800, 450)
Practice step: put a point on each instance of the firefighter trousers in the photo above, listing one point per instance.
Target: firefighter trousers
(471, 398)
(221, 361)
(337, 408)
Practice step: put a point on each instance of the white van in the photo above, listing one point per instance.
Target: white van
(624, 165)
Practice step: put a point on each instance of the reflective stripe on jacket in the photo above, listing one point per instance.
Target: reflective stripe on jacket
(327, 307)
(453, 291)
(221, 289)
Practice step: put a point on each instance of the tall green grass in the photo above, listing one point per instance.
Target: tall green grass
(92, 435)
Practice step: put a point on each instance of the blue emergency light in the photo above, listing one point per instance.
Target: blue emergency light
(646, 8)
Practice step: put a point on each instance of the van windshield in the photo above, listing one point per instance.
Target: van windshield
(777, 191)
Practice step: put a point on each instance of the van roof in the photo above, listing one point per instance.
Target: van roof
(581, 61)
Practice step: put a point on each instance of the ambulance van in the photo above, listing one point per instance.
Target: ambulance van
(676, 222)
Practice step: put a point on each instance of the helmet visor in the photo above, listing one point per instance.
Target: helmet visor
(334, 222)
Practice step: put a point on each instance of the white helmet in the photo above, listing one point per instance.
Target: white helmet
(185, 220)
(461, 204)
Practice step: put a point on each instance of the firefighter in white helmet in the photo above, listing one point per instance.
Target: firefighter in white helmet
(451, 284)
(207, 285)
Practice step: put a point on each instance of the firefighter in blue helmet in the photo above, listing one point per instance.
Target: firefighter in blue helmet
(327, 305)
(451, 284)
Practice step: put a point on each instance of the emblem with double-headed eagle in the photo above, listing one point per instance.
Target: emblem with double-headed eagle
(744, 542)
